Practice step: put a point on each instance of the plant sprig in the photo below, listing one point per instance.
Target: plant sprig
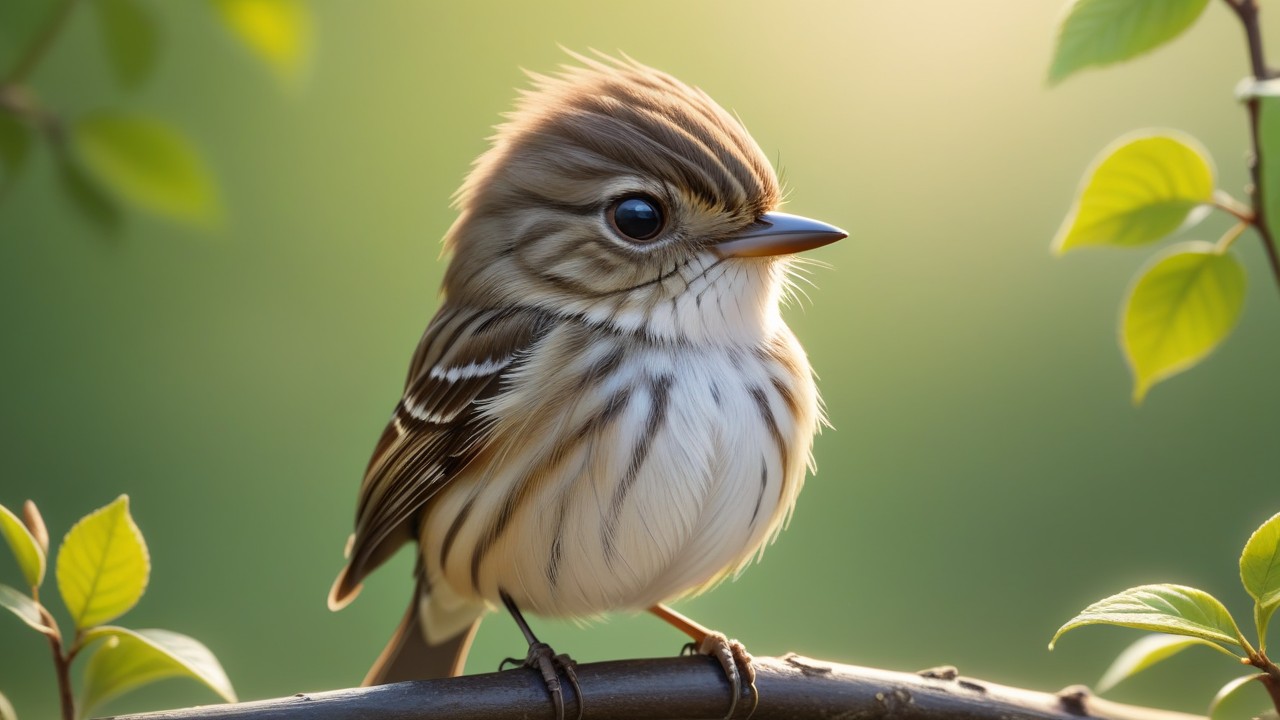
(108, 156)
(102, 571)
(1187, 617)
(1151, 184)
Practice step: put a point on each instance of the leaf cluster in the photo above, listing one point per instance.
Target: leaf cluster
(102, 571)
(1186, 617)
(108, 156)
(1151, 184)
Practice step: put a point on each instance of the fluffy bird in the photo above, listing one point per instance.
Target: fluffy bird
(607, 412)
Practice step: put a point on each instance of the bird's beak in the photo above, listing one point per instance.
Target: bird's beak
(778, 233)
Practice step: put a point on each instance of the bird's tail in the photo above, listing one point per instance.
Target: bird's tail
(415, 652)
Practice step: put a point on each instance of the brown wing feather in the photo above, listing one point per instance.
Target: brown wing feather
(436, 429)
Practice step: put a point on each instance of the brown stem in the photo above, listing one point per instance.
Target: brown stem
(1271, 678)
(62, 667)
(61, 663)
(1247, 11)
(36, 51)
(20, 102)
(1273, 689)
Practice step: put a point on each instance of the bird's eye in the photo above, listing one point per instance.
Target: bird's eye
(637, 217)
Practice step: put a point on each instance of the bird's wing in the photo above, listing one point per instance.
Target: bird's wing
(436, 429)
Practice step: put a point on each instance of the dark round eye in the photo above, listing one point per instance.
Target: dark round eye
(637, 217)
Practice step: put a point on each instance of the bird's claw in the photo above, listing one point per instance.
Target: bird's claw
(545, 660)
(736, 663)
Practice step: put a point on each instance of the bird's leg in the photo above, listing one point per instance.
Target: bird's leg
(731, 655)
(545, 660)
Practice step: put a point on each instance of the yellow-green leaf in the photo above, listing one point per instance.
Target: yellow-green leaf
(129, 659)
(24, 607)
(6, 709)
(130, 37)
(103, 565)
(25, 547)
(1260, 573)
(1175, 609)
(1148, 651)
(1183, 304)
(1139, 190)
(1101, 32)
(148, 163)
(278, 31)
(1239, 699)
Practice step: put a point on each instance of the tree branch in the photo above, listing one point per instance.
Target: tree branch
(689, 687)
(1247, 11)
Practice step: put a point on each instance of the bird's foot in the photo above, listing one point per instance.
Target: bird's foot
(738, 670)
(545, 660)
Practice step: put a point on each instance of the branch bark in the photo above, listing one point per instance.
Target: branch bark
(689, 687)
(1247, 11)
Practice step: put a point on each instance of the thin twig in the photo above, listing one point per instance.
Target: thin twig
(1271, 677)
(1224, 202)
(61, 663)
(36, 51)
(689, 687)
(62, 668)
(1247, 11)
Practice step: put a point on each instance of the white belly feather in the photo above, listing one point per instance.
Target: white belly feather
(614, 521)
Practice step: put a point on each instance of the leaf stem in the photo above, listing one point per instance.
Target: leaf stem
(1247, 11)
(63, 670)
(1271, 680)
(1231, 206)
(1229, 237)
(61, 667)
(36, 51)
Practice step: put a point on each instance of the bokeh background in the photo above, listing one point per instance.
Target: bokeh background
(985, 477)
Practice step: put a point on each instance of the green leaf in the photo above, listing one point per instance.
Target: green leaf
(24, 546)
(1139, 190)
(1235, 701)
(103, 565)
(1148, 651)
(1183, 304)
(24, 607)
(278, 31)
(130, 37)
(84, 194)
(147, 163)
(130, 659)
(1260, 573)
(6, 709)
(1175, 609)
(1101, 32)
(15, 144)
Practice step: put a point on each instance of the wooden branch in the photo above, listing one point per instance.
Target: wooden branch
(689, 687)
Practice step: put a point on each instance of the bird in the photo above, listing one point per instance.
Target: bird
(607, 411)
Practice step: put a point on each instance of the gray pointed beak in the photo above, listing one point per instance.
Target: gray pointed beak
(778, 233)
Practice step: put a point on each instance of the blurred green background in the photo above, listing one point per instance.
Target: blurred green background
(986, 476)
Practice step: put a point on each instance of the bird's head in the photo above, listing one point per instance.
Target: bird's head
(618, 193)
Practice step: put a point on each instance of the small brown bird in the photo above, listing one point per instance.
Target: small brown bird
(607, 412)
